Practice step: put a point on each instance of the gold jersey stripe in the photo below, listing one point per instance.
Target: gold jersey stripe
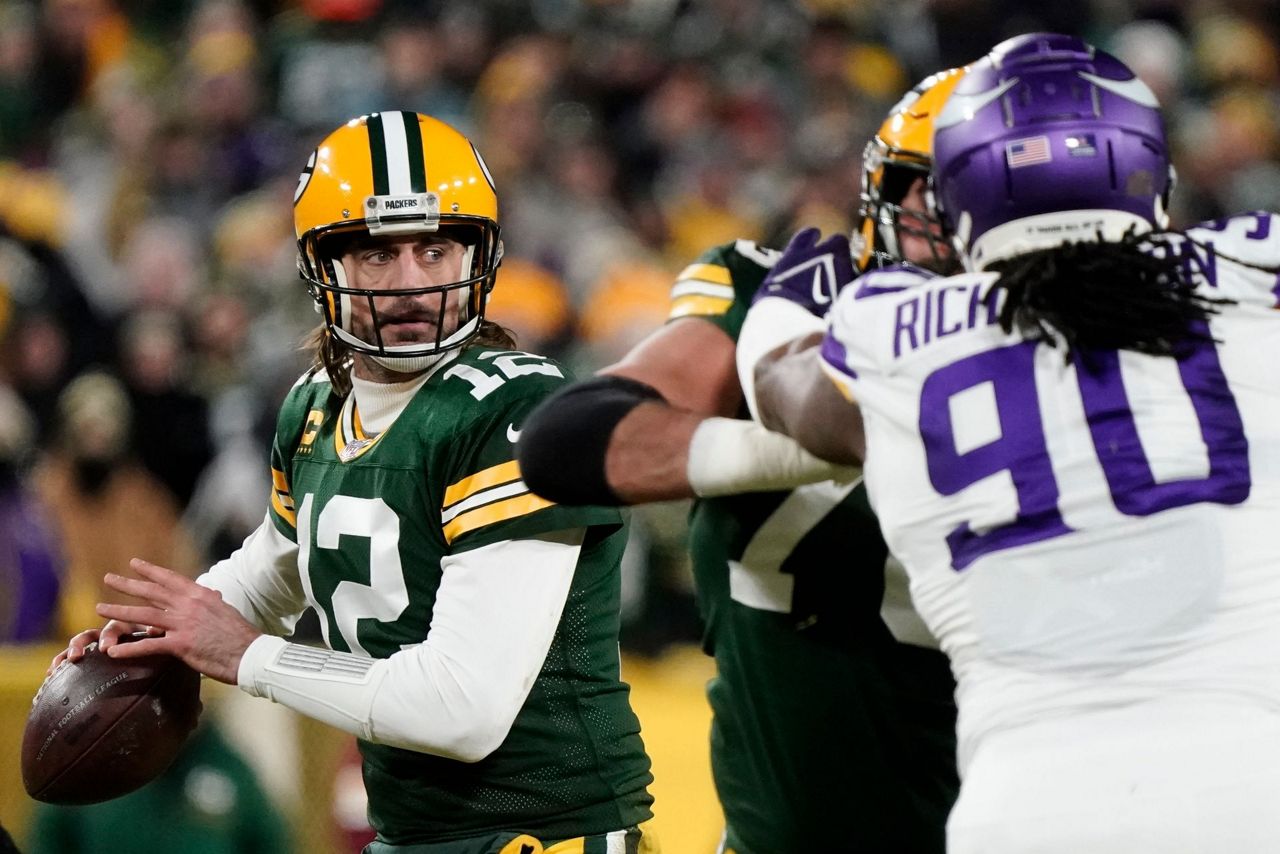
(281, 500)
(696, 305)
(355, 422)
(280, 489)
(501, 473)
(499, 511)
(713, 273)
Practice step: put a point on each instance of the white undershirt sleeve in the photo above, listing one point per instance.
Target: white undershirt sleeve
(457, 693)
(260, 580)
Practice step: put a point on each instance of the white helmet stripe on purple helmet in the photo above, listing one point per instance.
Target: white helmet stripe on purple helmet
(1134, 89)
(961, 108)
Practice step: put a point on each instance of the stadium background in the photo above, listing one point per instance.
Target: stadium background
(148, 154)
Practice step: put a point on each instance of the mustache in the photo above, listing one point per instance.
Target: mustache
(408, 316)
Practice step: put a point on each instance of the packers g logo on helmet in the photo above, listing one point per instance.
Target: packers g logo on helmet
(900, 152)
(395, 173)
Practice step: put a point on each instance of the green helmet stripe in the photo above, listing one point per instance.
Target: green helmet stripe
(378, 155)
(413, 148)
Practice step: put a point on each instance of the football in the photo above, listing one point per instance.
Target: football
(102, 727)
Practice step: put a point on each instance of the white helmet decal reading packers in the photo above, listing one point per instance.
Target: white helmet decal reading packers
(402, 214)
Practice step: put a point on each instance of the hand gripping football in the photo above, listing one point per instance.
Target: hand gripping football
(101, 727)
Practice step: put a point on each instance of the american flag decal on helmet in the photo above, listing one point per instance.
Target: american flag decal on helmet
(1027, 152)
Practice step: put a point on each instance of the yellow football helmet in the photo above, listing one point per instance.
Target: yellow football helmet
(900, 152)
(396, 173)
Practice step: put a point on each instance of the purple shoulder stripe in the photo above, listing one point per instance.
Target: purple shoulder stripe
(890, 280)
(836, 355)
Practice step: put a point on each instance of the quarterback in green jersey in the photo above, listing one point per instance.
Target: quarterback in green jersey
(833, 711)
(470, 627)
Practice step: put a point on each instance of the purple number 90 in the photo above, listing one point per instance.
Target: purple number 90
(1021, 448)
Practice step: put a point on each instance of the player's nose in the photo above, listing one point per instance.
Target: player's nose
(409, 272)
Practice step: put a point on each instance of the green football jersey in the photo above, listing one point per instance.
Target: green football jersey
(828, 734)
(374, 515)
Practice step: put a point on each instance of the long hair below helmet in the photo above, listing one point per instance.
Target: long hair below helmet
(1137, 293)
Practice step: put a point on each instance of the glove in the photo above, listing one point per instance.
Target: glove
(810, 273)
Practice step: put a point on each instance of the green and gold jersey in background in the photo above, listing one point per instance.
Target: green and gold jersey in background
(374, 515)
(828, 734)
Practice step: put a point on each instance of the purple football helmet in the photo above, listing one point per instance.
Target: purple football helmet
(1048, 140)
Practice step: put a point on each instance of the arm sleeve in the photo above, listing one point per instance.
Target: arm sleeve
(457, 693)
(260, 580)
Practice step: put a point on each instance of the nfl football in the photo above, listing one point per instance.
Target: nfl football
(102, 727)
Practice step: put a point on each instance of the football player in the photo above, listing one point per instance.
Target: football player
(1075, 450)
(829, 733)
(470, 627)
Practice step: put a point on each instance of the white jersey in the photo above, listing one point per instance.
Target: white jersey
(1078, 540)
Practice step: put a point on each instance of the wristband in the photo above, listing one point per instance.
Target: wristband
(732, 455)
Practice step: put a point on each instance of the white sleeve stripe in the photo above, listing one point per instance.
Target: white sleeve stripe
(484, 496)
(688, 287)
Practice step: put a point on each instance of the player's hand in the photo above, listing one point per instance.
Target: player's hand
(810, 273)
(105, 637)
(184, 619)
(75, 649)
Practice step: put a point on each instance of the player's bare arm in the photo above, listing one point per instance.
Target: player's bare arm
(201, 629)
(690, 363)
(794, 397)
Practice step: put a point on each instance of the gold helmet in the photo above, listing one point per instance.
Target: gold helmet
(900, 152)
(396, 173)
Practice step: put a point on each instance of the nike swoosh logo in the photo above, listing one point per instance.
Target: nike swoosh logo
(1133, 89)
(513, 435)
(824, 270)
(961, 108)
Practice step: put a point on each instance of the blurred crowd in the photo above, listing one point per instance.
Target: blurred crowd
(151, 317)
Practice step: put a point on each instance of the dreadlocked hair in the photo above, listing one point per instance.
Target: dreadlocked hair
(335, 358)
(1132, 294)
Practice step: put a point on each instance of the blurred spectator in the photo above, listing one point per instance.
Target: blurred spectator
(20, 125)
(49, 331)
(106, 506)
(30, 564)
(1157, 53)
(629, 301)
(207, 802)
(413, 57)
(327, 65)
(170, 427)
(531, 301)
